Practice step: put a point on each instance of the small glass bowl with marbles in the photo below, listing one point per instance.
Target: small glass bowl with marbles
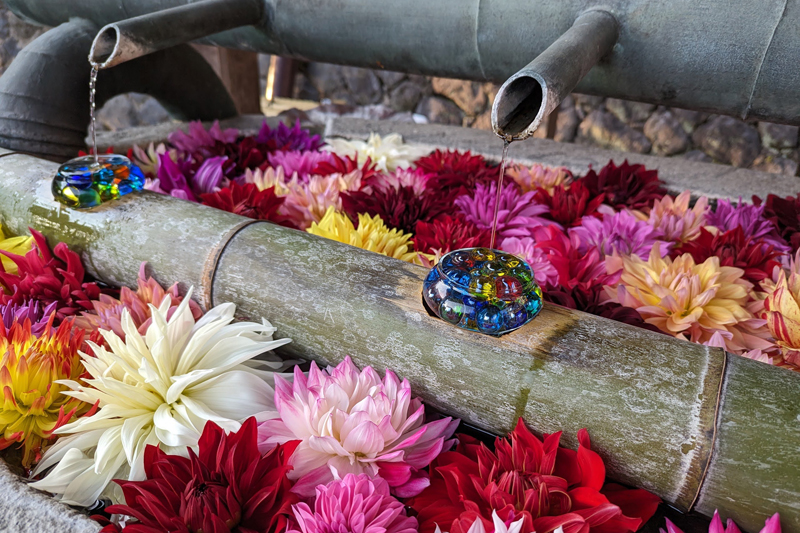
(483, 290)
(89, 181)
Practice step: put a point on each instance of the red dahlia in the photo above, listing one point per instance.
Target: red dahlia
(734, 249)
(399, 208)
(48, 278)
(626, 185)
(456, 173)
(784, 213)
(226, 487)
(248, 201)
(525, 478)
(568, 205)
(346, 165)
(447, 233)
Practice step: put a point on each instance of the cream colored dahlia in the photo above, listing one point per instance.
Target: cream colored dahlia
(388, 153)
(159, 388)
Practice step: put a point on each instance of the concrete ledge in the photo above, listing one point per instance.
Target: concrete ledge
(712, 180)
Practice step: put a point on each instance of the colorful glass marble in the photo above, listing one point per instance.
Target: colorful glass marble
(483, 290)
(83, 182)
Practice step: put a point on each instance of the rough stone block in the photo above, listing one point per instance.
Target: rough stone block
(728, 140)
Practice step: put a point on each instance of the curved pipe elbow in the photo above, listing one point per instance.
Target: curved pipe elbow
(537, 89)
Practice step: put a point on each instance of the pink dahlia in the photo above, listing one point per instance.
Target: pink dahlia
(525, 247)
(352, 422)
(107, 310)
(573, 267)
(772, 525)
(676, 220)
(518, 213)
(416, 180)
(622, 233)
(285, 138)
(356, 503)
(197, 138)
(539, 176)
(296, 162)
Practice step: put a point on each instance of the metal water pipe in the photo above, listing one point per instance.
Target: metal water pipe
(693, 54)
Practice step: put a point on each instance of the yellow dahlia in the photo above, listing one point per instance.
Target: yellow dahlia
(688, 300)
(676, 220)
(372, 234)
(783, 317)
(33, 406)
(539, 176)
(13, 245)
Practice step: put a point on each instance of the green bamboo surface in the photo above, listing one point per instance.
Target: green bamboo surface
(648, 400)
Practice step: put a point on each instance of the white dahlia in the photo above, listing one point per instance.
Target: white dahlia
(160, 388)
(388, 153)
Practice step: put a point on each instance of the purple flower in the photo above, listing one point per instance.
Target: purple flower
(285, 138)
(622, 233)
(210, 176)
(518, 214)
(545, 273)
(197, 137)
(751, 218)
(30, 310)
(301, 162)
(172, 178)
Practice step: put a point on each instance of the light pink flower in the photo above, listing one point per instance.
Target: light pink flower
(402, 177)
(352, 422)
(355, 503)
(772, 525)
(536, 176)
(308, 202)
(525, 247)
(676, 220)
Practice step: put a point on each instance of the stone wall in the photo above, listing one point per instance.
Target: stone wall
(605, 122)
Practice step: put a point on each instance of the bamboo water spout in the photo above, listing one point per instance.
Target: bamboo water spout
(700, 428)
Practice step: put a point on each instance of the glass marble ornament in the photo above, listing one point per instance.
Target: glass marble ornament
(483, 290)
(86, 182)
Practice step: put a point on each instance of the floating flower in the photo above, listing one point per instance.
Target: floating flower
(750, 218)
(400, 208)
(159, 388)
(34, 312)
(371, 234)
(416, 180)
(518, 215)
(735, 249)
(264, 179)
(246, 200)
(631, 186)
(456, 173)
(620, 233)
(527, 479)
(285, 138)
(447, 233)
(353, 422)
(388, 153)
(107, 311)
(48, 278)
(148, 160)
(307, 203)
(30, 369)
(294, 162)
(210, 177)
(574, 268)
(539, 177)
(546, 274)
(772, 525)
(346, 165)
(783, 316)
(686, 299)
(676, 220)
(784, 213)
(354, 503)
(227, 486)
(13, 245)
(172, 178)
(568, 206)
(198, 139)
(499, 526)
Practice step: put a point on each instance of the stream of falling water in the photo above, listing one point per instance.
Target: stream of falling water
(92, 85)
(506, 143)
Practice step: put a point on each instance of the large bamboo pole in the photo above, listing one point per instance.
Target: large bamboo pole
(686, 421)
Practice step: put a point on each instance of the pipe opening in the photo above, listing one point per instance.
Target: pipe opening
(518, 105)
(104, 46)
